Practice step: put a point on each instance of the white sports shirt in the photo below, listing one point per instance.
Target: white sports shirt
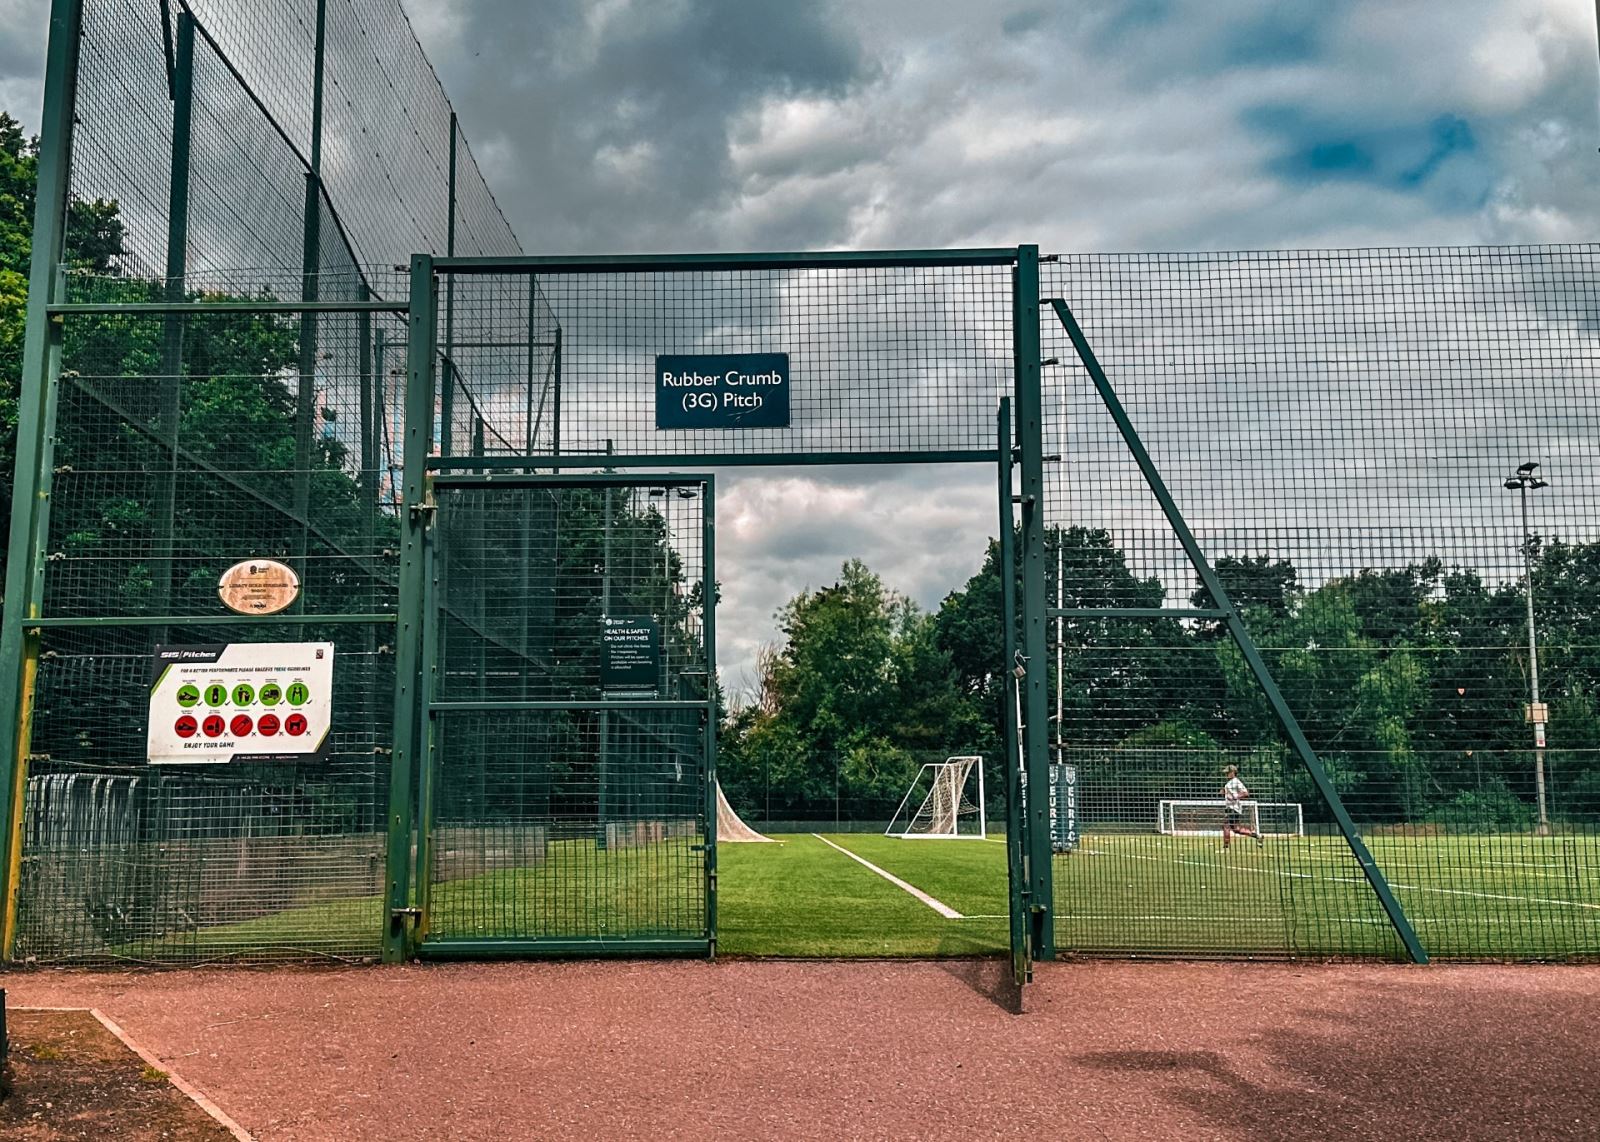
(1234, 792)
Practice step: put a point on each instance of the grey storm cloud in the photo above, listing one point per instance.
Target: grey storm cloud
(616, 117)
(668, 125)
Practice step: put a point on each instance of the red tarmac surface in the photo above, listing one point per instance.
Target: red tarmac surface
(870, 1050)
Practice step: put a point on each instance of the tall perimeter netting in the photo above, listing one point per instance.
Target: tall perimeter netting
(206, 168)
(1339, 428)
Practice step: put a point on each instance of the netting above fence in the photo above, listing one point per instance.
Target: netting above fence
(396, 174)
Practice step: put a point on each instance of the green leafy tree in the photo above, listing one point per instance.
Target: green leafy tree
(859, 691)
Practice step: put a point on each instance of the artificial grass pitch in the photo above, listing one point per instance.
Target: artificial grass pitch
(803, 898)
(1510, 896)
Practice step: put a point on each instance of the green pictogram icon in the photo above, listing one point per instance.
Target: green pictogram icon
(297, 694)
(244, 694)
(271, 694)
(216, 694)
(188, 694)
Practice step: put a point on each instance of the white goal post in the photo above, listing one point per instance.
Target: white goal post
(945, 802)
(1203, 818)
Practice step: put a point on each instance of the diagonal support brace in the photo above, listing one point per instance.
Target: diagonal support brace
(1241, 635)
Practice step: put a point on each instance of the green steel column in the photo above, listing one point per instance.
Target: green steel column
(171, 383)
(1241, 636)
(415, 512)
(555, 414)
(380, 412)
(709, 625)
(532, 374)
(317, 86)
(368, 481)
(1016, 835)
(31, 487)
(310, 290)
(432, 740)
(1035, 646)
(369, 419)
(604, 791)
(447, 395)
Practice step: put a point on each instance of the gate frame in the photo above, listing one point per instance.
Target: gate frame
(405, 915)
(453, 947)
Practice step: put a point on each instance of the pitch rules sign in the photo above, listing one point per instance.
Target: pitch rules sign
(252, 701)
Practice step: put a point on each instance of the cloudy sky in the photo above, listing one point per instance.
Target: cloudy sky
(1130, 125)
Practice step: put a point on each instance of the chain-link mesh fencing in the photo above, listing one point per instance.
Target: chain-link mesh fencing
(202, 173)
(1339, 429)
(884, 360)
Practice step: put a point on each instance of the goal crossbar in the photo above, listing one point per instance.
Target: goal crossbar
(944, 805)
(1203, 817)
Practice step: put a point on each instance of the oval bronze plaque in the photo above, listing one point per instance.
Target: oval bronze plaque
(258, 587)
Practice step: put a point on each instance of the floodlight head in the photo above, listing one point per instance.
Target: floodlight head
(1513, 483)
(687, 493)
(656, 493)
(1527, 469)
(1537, 483)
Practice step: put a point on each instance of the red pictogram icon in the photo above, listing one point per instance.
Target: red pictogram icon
(242, 725)
(268, 725)
(213, 725)
(186, 726)
(295, 725)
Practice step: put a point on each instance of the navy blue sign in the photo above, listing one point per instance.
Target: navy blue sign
(1063, 807)
(722, 390)
(630, 656)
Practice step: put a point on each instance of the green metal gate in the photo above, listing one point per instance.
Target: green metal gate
(566, 805)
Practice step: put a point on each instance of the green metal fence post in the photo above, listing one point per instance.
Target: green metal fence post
(1241, 636)
(19, 647)
(429, 733)
(171, 384)
(310, 290)
(447, 394)
(1018, 894)
(709, 627)
(555, 412)
(415, 516)
(1035, 646)
(603, 798)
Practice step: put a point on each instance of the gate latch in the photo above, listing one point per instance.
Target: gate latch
(423, 513)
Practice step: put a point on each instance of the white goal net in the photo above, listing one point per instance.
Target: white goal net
(945, 801)
(1203, 818)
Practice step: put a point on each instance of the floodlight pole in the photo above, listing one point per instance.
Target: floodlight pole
(1523, 481)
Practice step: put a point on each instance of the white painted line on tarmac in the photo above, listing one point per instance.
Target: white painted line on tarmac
(944, 910)
(200, 1100)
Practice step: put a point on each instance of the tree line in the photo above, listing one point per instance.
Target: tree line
(1411, 682)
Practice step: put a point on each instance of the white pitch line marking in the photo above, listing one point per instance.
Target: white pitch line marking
(1359, 880)
(944, 910)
